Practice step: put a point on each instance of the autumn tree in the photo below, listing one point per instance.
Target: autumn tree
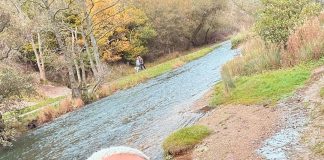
(279, 18)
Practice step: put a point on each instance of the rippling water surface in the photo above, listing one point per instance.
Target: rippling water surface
(140, 117)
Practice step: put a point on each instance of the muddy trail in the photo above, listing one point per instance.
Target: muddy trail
(139, 117)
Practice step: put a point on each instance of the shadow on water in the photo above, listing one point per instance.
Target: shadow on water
(140, 117)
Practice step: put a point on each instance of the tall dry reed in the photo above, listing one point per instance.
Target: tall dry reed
(305, 44)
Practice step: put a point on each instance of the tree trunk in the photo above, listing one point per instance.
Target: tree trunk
(92, 65)
(96, 52)
(93, 41)
(76, 93)
(206, 36)
(202, 23)
(83, 73)
(39, 57)
(77, 68)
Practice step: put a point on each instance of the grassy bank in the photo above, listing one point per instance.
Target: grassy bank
(184, 139)
(37, 106)
(265, 87)
(136, 78)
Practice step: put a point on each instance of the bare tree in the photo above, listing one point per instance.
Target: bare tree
(39, 54)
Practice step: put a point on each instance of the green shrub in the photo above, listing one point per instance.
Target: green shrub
(278, 18)
(13, 84)
(185, 139)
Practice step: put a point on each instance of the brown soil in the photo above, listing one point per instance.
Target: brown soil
(54, 91)
(240, 130)
(237, 131)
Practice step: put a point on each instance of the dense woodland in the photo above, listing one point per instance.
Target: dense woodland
(75, 42)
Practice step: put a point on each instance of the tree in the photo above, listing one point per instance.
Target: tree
(39, 54)
(183, 23)
(279, 18)
(125, 35)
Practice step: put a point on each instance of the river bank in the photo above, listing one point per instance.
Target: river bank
(290, 129)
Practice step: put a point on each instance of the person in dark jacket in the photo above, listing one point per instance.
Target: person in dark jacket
(142, 65)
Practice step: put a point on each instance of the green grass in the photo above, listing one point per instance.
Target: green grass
(185, 139)
(19, 119)
(266, 87)
(319, 148)
(25, 110)
(134, 79)
(322, 92)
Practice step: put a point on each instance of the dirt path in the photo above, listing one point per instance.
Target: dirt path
(238, 132)
(54, 91)
(286, 131)
(48, 91)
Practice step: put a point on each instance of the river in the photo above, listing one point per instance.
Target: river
(140, 117)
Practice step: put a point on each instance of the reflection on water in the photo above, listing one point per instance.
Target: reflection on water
(140, 117)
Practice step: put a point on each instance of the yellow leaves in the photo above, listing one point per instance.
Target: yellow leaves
(80, 42)
(136, 16)
(108, 56)
(120, 30)
(122, 46)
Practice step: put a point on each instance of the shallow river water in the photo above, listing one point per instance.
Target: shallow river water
(140, 117)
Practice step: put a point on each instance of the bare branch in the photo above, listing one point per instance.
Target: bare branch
(98, 23)
(49, 5)
(39, 4)
(110, 6)
(62, 9)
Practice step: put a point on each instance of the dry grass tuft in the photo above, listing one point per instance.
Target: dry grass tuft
(305, 44)
(65, 106)
(78, 103)
(46, 115)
